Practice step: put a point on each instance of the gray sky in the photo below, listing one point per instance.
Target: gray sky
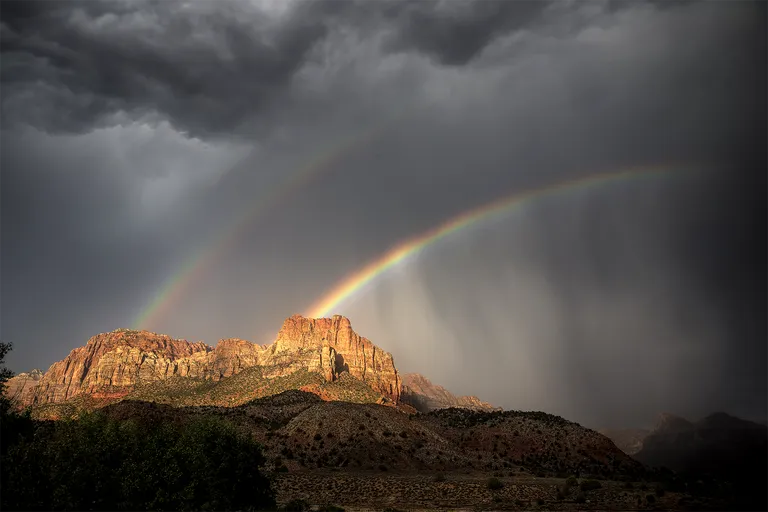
(135, 134)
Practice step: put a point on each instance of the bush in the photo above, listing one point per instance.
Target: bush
(296, 506)
(95, 463)
(439, 477)
(571, 481)
(495, 484)
(590, 485)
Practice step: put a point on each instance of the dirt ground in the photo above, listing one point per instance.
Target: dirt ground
(363, 491)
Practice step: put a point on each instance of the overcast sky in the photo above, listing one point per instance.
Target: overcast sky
(135, 134)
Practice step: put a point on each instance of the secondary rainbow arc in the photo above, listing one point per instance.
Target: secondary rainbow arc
(194, 267)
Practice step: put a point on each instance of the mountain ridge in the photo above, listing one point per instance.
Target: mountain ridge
(426, 396)
(337, 364)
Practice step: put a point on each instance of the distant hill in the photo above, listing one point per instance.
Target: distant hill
(628, 440)
(718, 445)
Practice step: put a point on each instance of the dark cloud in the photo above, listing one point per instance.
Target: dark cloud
(66, 66)
(453, 33)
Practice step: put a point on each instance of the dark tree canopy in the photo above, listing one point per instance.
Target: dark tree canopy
(101, 463)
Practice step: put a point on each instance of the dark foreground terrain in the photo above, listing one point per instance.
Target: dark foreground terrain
(294, 451)
(471, 491)
(135, 420)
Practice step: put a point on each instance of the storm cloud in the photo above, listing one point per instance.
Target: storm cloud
(136, 135)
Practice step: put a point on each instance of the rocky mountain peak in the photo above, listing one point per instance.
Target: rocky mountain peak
(113, 364)
(425, 396)
(340, 349)
(667, 422)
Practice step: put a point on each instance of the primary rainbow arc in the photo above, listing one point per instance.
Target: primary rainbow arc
(350, 285)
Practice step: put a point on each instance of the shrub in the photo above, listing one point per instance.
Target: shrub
(590, 485)
(297, 505)
(571, 481)
(495, 484)
(439, 477)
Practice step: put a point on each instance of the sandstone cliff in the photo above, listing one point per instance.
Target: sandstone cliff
(113, 364)
(329, 345)
(21, 388)
(424, 396)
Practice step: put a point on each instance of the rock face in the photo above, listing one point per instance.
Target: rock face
(425, 396)
(329, 345)
(113, 364)
(21, 388)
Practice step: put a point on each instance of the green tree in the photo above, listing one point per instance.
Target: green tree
(99, 463)
(5, 374)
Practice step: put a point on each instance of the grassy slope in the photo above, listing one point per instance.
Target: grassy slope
(232, 391)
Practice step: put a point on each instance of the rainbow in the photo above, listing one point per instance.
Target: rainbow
(401, 252)
(197, 265)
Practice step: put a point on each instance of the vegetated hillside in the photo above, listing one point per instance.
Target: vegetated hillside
(542, 442)
(301, 431)
(250, 384)
(232, 391)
